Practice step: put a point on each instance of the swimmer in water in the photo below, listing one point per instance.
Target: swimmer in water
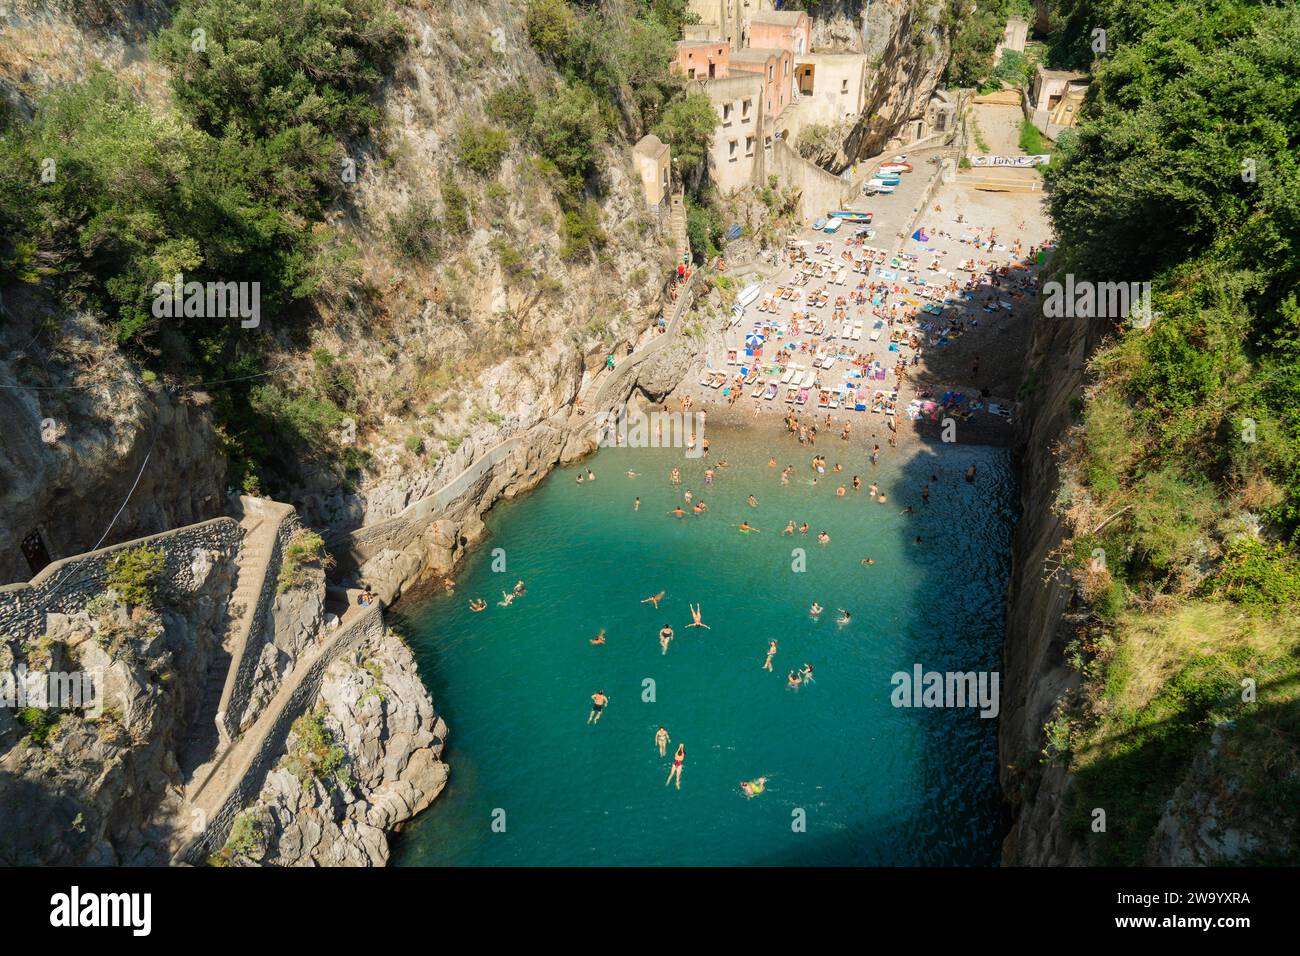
(675, 476)
(771, 463)
(908, 510)
(875, 455)
(631, 473)
(815, 610)
(687, 496)
(519, 589)
(873, 490)
(695, 618)
(857, 483)
(676, 768)
(789, 529)
(678, 512)
(882, 499)
(771, 652)
(636, 505)
(580, 479)
(699, 508)
(506, 598)
(807, 674)
(477, 604)
(598, 702)
(591, 475)
(753, 788)
(792, 680)
(661, 741)
(665, 637)
(655, 599)
(823, 538)
(839, 492)
(803, 528)
(599, 638)
(866, 562)
(752, 501)
(745, 528)
(844, 617)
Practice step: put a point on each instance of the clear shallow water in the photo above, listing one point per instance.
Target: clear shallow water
(877, 784)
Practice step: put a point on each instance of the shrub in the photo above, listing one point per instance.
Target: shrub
(481, 148)
(133, 575)
(305, 548)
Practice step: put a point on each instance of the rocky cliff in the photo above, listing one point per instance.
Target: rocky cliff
(1039, 601)
(379, 767)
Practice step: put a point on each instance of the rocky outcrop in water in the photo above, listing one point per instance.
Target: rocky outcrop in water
(374, 709)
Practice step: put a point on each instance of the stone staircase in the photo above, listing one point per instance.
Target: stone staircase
(677, 228)
(202, 754)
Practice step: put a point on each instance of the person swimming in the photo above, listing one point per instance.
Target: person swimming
(807, 673)
(632, 474)
(771, 652)
(857, 483)
(792, 680)
(700, 508)
(661, 741)
(678, 512)
(598, 702)
(753, 788)
(599, 638)
(789, 529)
(844, 617)
(752, 501)
(695, 618)
(687, 496)
(506, 598)
(823, 538)
(665, 637)
(520, 591)
(636, 505)
(840, 491)
(803, 528)
(477, 604)
(745, 527)
(868, 561)
(873, 489)
(676, 768)
(654, 599)
(816, 609)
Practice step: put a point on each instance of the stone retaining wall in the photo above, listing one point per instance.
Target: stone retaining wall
(67, 585)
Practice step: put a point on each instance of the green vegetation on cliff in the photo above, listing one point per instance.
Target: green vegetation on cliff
(1181, 479)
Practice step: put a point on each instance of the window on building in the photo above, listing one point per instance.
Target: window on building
(745, 108)
(771, 72)
(844, 86)
(749, 146)
(726, 114)
(767, 142)
(731, 150)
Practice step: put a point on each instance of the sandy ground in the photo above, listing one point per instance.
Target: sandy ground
(998, 339)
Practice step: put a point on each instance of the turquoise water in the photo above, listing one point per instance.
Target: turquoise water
(874, 784)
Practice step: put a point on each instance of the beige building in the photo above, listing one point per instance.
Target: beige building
(1052, 103)
(727, 19)
(652, 159)
(789, 30)
(832, 86)
(702, 59)
(742, 141)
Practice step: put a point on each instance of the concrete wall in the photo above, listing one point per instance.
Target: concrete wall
(838, 87)
(820, 191)
(265, 742)
(67, 585)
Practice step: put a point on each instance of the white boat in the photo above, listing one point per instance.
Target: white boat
(748, 294)
(833, 225)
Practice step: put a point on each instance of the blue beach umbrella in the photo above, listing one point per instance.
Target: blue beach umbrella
(754, 340)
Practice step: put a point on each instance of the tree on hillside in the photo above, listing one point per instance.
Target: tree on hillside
(687, 127)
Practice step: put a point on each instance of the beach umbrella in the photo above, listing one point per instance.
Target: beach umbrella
(754, 339)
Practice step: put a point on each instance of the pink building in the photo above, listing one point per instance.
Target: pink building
(703, 59)
(776, 67)
(789, 30)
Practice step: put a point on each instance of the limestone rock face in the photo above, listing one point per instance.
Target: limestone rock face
(373, 706)
(79, 785)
